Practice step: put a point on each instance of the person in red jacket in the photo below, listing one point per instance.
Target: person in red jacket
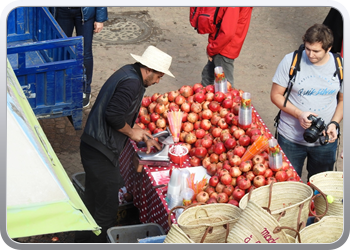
(225, 44)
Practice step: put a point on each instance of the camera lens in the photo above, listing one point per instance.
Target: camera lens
(310, 135)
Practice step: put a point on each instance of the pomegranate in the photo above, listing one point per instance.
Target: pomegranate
(222, 197)
(202, 196)
(226, 179)
(259, 181)
(237, 194)
(186, 91)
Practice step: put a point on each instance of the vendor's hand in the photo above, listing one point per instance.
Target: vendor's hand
(210, 58)
(138, 134)
(152, 143)
(98, 27)
(304, 121)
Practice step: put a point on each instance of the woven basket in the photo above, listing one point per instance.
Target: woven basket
(209, 223)
(328, 230)
(288, 202)
(330, 183)
(176, 235)
(256, 225)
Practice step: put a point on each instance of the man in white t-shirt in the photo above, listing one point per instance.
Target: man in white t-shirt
(317, 91)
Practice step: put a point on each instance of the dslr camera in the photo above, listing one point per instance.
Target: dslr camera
(314, 132)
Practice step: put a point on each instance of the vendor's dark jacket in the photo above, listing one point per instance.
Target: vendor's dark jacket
(98, 133)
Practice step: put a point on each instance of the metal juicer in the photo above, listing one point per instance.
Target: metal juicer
(159, 158)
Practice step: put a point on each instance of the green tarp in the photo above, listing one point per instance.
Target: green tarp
(40, 197)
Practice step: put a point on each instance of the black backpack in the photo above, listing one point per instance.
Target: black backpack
(295, 67)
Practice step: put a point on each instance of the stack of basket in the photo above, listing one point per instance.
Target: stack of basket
(328, 203)
(276, 213)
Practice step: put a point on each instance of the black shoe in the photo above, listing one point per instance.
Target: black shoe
(86, 100)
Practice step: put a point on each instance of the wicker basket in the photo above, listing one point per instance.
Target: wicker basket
(288, 202)
(328, 230)
(330, 183)
(176, 235)
(209, 223)
(256, 225)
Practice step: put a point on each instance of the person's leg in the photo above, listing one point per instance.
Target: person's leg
(65, 19)
(86, 30)
(321, 158)
(208, 74)
(101, 195)
(227, 66)
(295, 153)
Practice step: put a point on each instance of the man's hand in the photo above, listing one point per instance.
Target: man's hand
(303, 119)
(152, 143)
(138, 134)
(332, 133)
(98, 27)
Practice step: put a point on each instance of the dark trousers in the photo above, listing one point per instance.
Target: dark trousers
(101, 193)
(70, 18)
(208, 76)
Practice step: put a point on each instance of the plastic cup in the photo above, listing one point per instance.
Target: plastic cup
(275, 155)
(175, 200)
(184, 175)
(175, 180)
(186, 196)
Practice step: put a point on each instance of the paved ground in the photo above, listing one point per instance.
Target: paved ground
(274, 31)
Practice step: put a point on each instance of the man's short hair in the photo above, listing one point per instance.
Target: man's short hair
(319, 33)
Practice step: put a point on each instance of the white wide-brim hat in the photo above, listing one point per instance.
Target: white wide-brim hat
(155, 59)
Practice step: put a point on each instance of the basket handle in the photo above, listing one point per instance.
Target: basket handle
(270, 195)
(279, 229)
(300, 225)
(209, 230)
(314, 197)
(196, 215)
(184, 208)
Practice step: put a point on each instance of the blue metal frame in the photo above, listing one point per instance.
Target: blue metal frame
(47, 63)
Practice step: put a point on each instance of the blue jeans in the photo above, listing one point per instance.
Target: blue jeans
(218, 60)
(69, 19)
(319, 158)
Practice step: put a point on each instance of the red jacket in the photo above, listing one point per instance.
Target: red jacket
(233, 30)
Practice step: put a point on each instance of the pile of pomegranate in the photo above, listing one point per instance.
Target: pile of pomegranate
(214, 139)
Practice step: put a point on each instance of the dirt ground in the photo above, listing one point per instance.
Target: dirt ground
(273, 32)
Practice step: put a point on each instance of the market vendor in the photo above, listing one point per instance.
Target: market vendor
(317, 91)
(109, 125)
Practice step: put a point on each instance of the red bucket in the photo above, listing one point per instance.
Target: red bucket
(178, 153)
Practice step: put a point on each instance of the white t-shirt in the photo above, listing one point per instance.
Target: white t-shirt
(315, 90)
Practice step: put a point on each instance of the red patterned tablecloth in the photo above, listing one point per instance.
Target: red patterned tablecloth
(151, 201)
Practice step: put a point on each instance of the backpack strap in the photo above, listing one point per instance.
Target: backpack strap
(339, 67)
(217, 24)
(216, 14)
(294, 68)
